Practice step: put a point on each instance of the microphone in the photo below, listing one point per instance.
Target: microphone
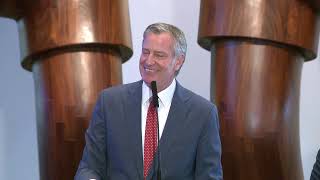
(155, 97)
(155, 100)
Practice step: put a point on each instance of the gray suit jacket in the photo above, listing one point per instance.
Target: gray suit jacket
(190, 144)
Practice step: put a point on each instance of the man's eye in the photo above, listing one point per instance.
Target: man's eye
(160, 55)
(144, 51)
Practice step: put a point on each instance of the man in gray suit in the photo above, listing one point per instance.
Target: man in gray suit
(189, 146)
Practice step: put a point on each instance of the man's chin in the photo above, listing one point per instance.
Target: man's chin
(148, 81)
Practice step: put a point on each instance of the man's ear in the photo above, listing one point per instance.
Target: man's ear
(179, 62)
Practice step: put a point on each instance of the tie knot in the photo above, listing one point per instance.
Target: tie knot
(154, 102)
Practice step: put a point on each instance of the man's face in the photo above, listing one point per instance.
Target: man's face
(157, 61)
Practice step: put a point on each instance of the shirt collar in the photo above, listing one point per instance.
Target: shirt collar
(165, 96)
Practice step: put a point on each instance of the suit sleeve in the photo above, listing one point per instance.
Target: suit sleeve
(93, 163)
(208, 158)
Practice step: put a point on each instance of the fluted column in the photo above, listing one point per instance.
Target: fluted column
(258, 49)
(75, 49)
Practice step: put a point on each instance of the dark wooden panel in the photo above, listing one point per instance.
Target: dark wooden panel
(289, 22)
(67, 87)
(257, 93)
(10, 9)
(75, 49)
(50, 25)
(315, 4)
(258, 48)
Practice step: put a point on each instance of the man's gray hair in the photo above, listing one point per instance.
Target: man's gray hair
(180, 45)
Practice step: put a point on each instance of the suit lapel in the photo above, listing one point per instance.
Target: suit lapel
(133, 113)
(176, 116)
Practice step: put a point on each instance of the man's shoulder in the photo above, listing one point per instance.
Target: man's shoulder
(194, 98)
(122, 88)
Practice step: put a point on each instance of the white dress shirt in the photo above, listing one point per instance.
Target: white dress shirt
(165, 99)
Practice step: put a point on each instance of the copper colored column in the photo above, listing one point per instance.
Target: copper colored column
(75, 49)
(258, 49)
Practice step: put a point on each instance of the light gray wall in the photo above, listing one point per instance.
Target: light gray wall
(18, 149)
(310, 114)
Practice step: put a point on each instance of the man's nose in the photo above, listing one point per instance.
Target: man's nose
(150, 60)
